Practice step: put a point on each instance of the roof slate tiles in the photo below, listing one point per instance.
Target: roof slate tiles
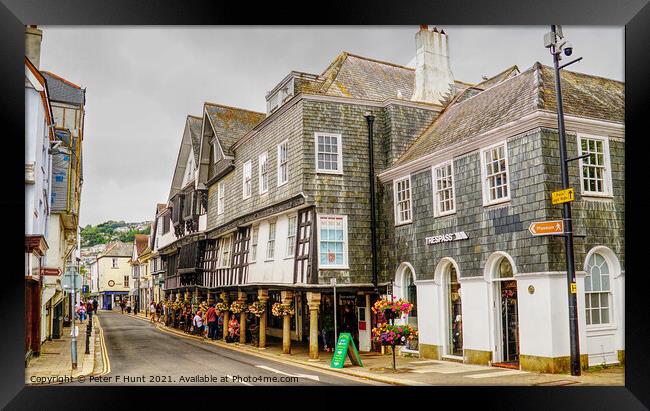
(231, 123)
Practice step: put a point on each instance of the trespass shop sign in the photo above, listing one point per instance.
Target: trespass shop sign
(444, 238)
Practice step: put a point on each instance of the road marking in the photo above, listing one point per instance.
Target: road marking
(311, 377)
(425, 362)
(243, 382)
(497, 374)
(441, 369)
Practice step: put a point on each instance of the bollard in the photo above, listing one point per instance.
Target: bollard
(88, 332)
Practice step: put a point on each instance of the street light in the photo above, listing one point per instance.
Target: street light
(556, 43)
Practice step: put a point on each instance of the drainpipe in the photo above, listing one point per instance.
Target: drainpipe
(371, 176)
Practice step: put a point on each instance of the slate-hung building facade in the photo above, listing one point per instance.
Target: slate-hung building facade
(288, 192)
(456, 210)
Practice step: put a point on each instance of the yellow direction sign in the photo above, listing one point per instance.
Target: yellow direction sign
(546, 227)
(562, 196)
(573, 288)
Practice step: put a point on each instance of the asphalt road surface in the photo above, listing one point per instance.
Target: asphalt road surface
(140, 354)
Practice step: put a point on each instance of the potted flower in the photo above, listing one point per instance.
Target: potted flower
(257, 308)
(221, 307)
(390, 334)
(281, 309)
(238, 307)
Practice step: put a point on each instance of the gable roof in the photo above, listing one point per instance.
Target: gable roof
(63, 90)
(583, 95)
(350, 75)
(186, 149)
(230, 123)
(194, 124)
(117, 249)
(140, 242)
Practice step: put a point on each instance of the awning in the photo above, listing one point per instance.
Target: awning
(48, 293)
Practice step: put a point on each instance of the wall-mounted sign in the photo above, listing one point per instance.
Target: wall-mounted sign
(111, 283)
(546, 227)
(461, 235)
(563, 196)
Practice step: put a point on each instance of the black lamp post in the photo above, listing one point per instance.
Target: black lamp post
(556, 43)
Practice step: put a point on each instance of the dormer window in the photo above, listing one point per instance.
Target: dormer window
(280, 94)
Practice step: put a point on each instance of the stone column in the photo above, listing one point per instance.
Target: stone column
(313, 301)
(263, 296)
(242, 318)
(208, 298)
(226, 315)
(287, 298)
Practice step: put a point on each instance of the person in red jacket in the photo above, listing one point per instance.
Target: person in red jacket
(211, 319)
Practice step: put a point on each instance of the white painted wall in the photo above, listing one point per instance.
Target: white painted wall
(36, 145)
(107, 273)
(280, 269)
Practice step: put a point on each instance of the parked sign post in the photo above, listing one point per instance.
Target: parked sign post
(554, 227)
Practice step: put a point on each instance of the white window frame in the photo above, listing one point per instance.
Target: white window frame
(345, 265)
(263, 159)
(484, 186)
(291, 236)
(221, 193)
(611, 324)
(247, 179)
(607, 175)
(255, 233)
(339, 160)
(436, 202)
(270, 240)
(114, 261)
(398, 220)
(222, 251)
(280, 182)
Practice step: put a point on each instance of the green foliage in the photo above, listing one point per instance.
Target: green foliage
(107, 231)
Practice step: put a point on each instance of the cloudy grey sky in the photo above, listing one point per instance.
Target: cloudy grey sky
(142, 83)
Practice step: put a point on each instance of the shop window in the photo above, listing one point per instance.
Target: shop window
(333, 249)
(597, 291)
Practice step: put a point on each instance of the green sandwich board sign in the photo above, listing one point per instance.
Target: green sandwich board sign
(345, 346)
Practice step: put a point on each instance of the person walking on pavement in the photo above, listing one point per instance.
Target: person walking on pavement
(122, 305)
(211, 319)
(95, 305)
(152, 311)
(158, 311)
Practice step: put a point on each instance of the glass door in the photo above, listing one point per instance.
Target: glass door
(509, 322)
(455, 321)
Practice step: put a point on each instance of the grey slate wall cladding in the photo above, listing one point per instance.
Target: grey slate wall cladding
(287, 126)
(534, 172)
(349, 194)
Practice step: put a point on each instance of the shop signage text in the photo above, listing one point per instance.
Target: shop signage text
(345, 347)
(461, 235)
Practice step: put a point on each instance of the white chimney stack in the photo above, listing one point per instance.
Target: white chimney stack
(434, 81)
(33, 38)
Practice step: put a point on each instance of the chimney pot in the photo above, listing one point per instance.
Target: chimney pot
(424, 27)
(434, 81)
(435, 29)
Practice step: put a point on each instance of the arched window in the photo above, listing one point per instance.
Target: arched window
(597, 290)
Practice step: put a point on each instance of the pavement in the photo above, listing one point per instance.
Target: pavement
(409, 370)
(54, 365)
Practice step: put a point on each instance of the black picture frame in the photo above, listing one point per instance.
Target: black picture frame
(634, 14)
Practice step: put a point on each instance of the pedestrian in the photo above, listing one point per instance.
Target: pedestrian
(253, 329)
(82, 311)
(158, 311)
(211, 319)
(327, 331)
(95, 305)
(233, 330)
(198, 323)
(152, 311)
(220, 325)
(122, 305)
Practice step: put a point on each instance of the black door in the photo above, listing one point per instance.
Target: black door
(57, 320)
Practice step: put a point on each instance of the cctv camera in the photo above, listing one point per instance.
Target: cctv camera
(568, 49)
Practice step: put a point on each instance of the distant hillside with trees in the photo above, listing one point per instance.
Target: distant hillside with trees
(112, 230)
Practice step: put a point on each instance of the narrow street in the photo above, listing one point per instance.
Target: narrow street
(141, 354)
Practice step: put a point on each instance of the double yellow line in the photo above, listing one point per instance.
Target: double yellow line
(106, 366)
